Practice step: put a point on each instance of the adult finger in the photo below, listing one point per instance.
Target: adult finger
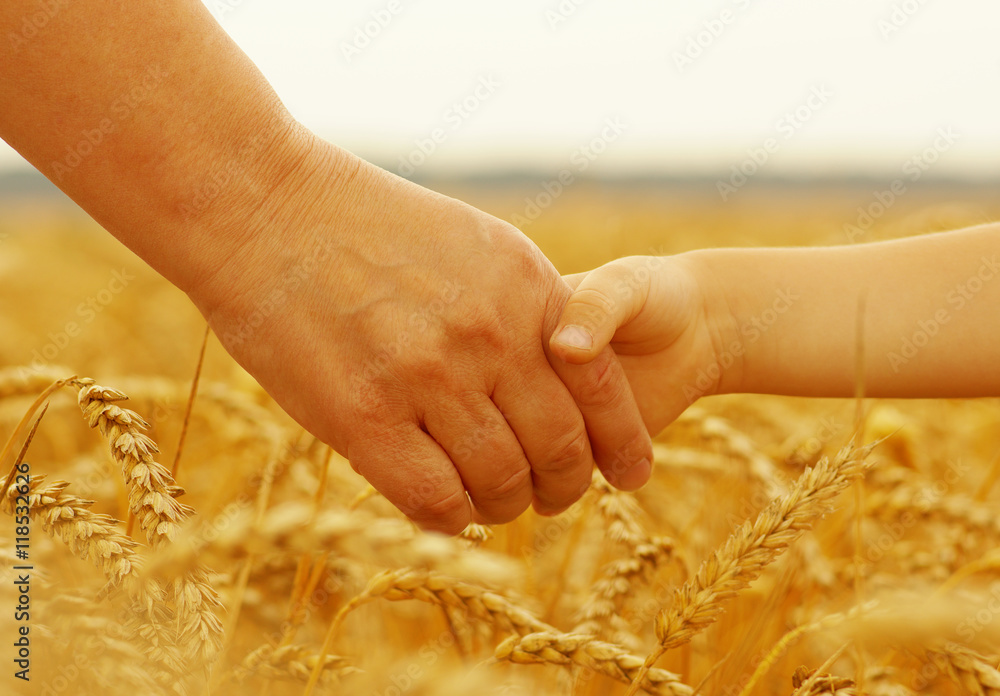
(551, 430)
(618, 436)
(411, 470)
(486, 453)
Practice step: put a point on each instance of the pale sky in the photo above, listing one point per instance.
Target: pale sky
(876, 80)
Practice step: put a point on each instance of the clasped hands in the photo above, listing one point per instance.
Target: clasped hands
(411, 332)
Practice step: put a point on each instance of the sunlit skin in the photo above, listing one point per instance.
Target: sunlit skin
(402, 327)
(785, 320)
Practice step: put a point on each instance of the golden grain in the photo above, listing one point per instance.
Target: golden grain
(300, 542)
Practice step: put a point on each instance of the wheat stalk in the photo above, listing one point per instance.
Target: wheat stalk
(967, 668)
(477, 602)
(27, 381)
(909, 498)
(152, 495)
(292, 662)
(81, 628)
(737, 444)
(446, 592)
(100, 540)
(620, 577)
(753, 546)
(476, 534)
(781, 647)
(589, 652)
(90, 536)
(812, 683)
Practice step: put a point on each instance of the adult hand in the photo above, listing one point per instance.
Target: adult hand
(402, 327)
(407, 330)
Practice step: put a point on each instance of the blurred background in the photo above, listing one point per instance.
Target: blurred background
(600, 129)
(695, 84)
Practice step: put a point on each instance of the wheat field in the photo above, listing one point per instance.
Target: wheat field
(782, 546)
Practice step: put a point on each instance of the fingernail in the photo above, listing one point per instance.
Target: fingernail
(575, 337)
(636, 477)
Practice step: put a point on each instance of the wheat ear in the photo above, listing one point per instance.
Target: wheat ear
(152, 496)
(90, 536)
(967, 668)
(99, 539)
(589, 652)
(698, 603)
(621, 576)
(811, 683)
(444, 591)
(433, 588)
(292, 662)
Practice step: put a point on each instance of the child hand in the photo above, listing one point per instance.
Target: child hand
(659, 315)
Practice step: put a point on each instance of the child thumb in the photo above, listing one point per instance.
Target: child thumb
(593, 313)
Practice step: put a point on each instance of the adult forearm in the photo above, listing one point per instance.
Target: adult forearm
(931, 316)
(151, 118)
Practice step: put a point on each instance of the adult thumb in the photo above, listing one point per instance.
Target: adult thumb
(603, 301)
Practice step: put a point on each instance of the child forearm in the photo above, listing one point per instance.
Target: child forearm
(931, 316)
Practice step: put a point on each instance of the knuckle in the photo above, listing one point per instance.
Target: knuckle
(503, 489)
(370, 404)
(602, 384)
(479, 328)
(565, 456)
(443, 511)
(427, 363)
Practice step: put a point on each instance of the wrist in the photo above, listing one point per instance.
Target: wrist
(221, 210)
(720, 306)
(271, 215)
